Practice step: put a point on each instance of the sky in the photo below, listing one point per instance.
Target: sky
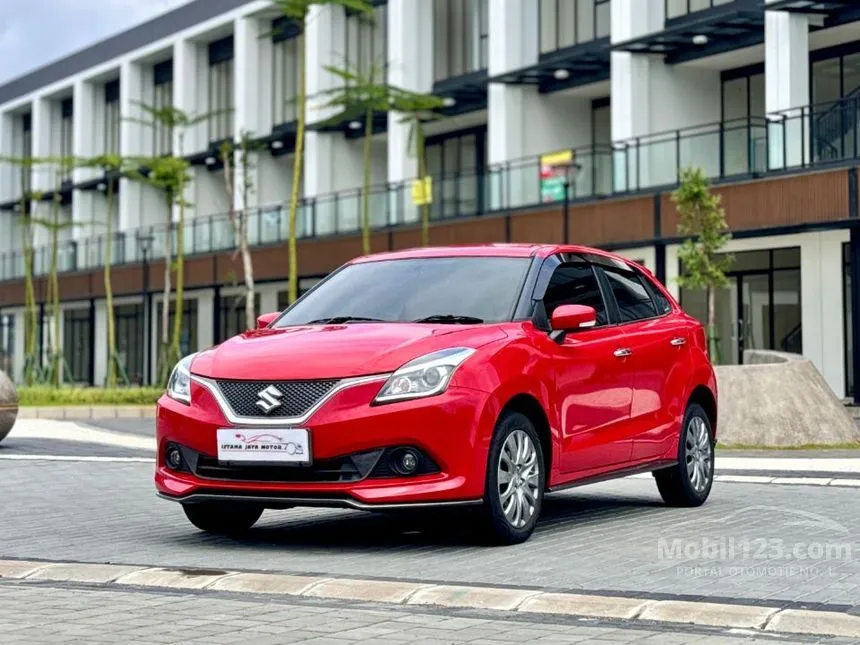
(36, 32)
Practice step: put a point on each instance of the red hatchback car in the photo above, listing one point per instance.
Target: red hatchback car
(440, 377)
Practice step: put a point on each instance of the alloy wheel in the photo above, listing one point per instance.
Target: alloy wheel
(519, 478)
(699, 454)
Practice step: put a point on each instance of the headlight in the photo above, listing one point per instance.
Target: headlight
(179, 385)
(425, 376)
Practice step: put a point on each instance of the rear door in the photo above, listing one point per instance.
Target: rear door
(656, 339)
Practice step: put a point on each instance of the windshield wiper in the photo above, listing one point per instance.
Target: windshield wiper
(452, 319)
(339, 320)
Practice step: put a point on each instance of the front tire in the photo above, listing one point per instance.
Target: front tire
(223, 518)
(516, 479)
(689, 482)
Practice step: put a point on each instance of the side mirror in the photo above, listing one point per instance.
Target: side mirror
(267, 319)
(567, 318)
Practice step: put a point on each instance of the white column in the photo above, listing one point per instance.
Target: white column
(410, 66)
(135, 140)
(786, 37)
(332, 163)
(19, 349)
(185, 95)
(822, 305)
(205, 313)
(247, 88)
(83, 126)
(43, 177)
(101, 348)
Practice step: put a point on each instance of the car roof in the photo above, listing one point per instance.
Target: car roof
(483, 250)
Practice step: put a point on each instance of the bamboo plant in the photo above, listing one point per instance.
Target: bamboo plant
(170, 172)
(112, 167)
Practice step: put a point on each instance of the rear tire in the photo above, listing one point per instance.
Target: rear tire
(516, 479)
(223, 518)
(688, 483)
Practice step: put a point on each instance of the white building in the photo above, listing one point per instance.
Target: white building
(762, 95)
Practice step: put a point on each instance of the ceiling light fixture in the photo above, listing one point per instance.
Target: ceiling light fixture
(561, 74)
(277, 145)
(700, 39)
(449, 102)
(355, 125)
(210, 161)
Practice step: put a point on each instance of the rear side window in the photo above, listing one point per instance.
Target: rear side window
(575, 284)
(633, 298)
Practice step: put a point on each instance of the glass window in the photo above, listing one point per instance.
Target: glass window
(233, 315)
(456, 161)
(162, 97)
(413, 289)
(849, 320)
(221, 89)
(113, 120)
(76, 344)
(130, 341)
(633, 300)
(575, 284)
(366, 42)
(565, 23)
(188, 326)
(285, 71)
(66, 134)
(7, 343)
(463, 26)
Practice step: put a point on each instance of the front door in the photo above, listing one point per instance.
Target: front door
(593, 385)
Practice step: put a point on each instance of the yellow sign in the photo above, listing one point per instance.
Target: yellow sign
(422, 191)
(561, 158)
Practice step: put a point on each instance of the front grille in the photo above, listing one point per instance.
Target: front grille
(297, 397)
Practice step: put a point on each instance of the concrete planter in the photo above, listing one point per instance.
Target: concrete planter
(8, 405)
(779, 400)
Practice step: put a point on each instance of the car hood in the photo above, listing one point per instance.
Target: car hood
(333, 351)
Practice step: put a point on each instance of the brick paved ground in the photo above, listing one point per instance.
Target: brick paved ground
(604, 537)
(39, 615)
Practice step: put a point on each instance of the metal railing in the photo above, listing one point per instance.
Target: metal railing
(812, 135)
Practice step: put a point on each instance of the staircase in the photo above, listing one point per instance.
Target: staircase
(830, 126)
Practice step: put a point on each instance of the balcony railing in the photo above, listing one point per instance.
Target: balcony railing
(808, 136)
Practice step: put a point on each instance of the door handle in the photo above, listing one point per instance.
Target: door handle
(622, 353)
(677, 342)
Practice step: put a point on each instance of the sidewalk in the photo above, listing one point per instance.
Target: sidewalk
(83, 412)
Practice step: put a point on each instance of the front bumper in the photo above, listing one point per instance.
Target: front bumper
(453, 430)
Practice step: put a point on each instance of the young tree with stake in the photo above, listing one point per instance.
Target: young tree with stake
(703, 225)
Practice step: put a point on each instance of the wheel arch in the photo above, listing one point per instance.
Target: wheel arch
(529, 406)
(704, 396)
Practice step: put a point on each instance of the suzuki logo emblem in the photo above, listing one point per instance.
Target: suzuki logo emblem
(270, 398)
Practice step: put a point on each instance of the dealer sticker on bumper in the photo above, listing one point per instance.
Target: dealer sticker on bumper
(264, 445)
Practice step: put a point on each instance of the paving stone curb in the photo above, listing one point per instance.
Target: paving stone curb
(772, 620)
(83, 412)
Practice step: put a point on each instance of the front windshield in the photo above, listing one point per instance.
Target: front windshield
(452, 289)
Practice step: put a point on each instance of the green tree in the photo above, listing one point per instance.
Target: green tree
(237, 157)
(702, 223)
(112, 167)
(297, 12)
(25, 166)
(57, 367)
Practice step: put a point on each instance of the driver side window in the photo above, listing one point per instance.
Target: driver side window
(575, 284)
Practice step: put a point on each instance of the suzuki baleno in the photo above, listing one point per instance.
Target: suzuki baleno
(482, 376)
